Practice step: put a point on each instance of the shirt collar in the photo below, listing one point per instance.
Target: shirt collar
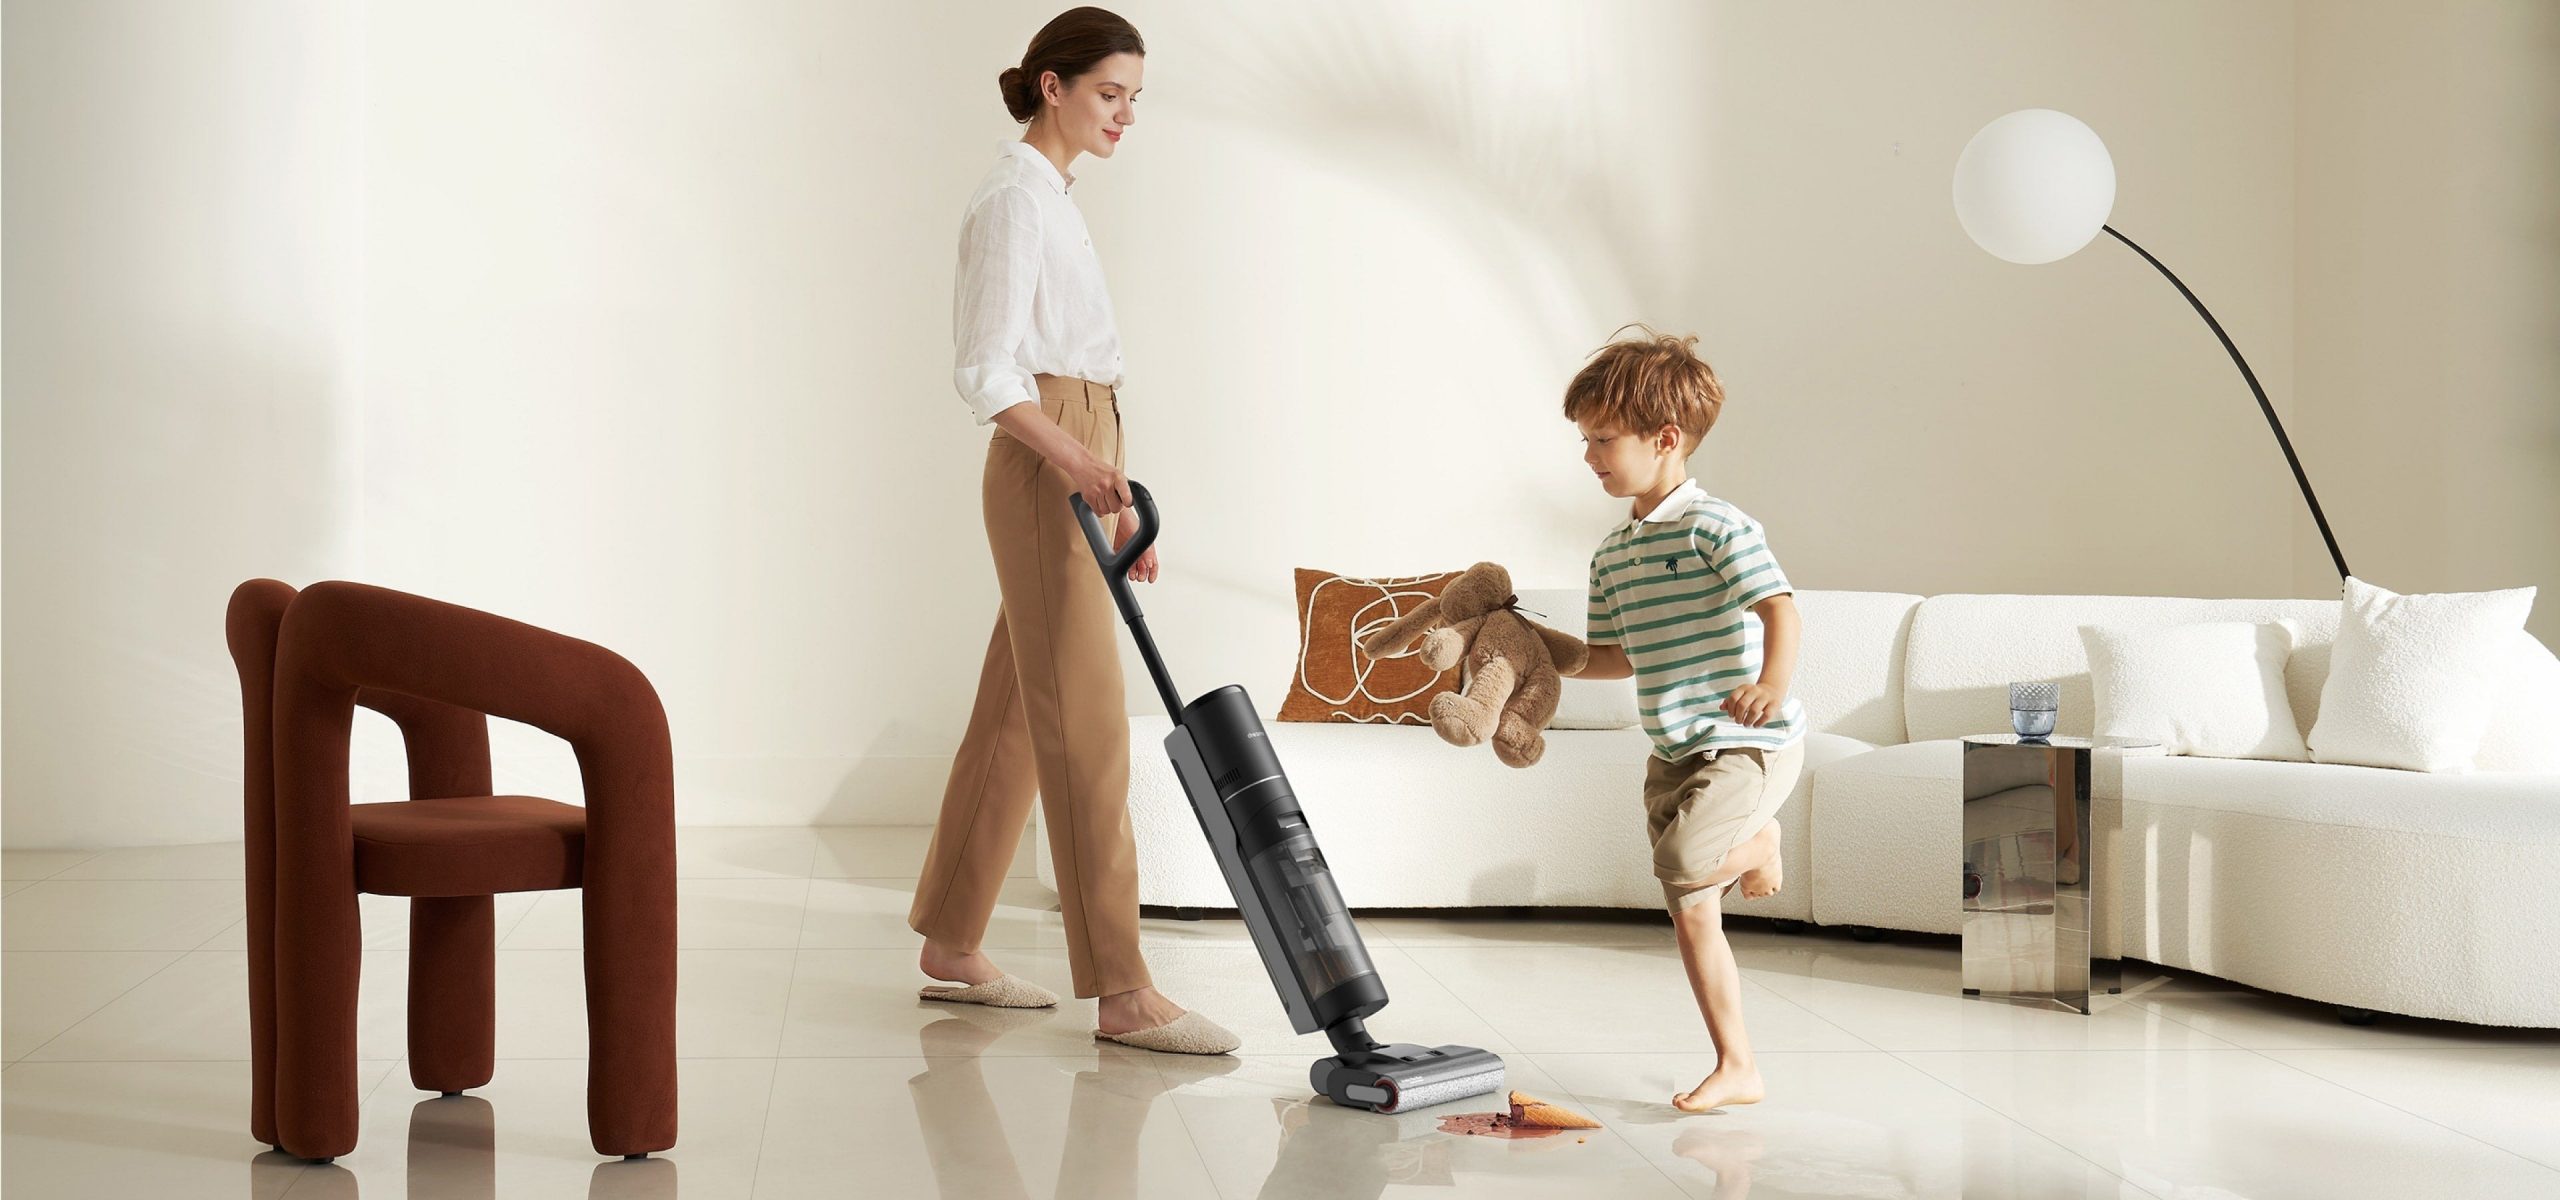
(1672, 504)
(1048, 170)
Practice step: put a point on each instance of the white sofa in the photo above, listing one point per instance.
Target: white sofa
(2424, 895)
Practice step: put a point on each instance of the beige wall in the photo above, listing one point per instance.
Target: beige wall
(2428, 292)
(632, 321)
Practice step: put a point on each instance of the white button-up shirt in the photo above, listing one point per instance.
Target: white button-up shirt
(1028, 298)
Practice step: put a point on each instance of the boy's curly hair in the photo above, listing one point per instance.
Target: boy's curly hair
(1643, 383)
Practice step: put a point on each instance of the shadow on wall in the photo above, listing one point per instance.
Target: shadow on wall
(1572, 191)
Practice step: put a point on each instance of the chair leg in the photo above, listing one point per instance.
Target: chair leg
(319, 953)
(261, 934)
(453, 992)
(631, 1010)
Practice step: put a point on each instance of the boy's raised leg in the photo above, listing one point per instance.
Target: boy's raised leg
(1717, 982)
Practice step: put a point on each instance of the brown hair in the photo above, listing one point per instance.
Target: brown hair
(1070, 45)
(1641, 384)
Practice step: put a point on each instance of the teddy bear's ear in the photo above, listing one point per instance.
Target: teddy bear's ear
(1396, 635)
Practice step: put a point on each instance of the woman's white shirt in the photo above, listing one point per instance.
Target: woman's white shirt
(1029, 297)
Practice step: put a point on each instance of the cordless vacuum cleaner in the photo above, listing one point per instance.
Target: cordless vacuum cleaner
(1282, 887)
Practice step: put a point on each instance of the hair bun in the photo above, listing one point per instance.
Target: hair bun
(1019, 98)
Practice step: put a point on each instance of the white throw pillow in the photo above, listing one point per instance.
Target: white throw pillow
(1584, 703)
(2214, 688)
(2413, 680)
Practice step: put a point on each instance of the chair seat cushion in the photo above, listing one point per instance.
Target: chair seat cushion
(469, 846)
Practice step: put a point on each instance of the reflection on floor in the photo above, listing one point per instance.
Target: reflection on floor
(811, 1069)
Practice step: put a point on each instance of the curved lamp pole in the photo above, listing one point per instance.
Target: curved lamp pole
(2037, 185)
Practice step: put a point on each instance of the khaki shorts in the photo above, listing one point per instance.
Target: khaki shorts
(1697, 809)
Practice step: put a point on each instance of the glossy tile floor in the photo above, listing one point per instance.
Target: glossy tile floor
(811, 1070)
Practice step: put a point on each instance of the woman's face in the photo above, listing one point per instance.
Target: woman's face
(1092, 112)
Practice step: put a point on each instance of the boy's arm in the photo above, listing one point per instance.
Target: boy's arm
(1606, 662)
(1758, 703)
(1780, 624)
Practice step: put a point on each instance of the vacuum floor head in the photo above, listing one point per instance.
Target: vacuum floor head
(1401, 1078)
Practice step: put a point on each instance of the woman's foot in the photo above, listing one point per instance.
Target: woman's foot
(1135, 1009)
(942, 962)
(1729, 1084)
(1765, 880)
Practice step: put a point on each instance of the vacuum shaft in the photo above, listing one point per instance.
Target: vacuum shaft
(1282, 885)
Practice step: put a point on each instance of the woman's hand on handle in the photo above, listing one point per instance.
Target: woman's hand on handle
(1104, 487)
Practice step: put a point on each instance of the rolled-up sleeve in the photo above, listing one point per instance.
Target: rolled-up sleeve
(991, 303)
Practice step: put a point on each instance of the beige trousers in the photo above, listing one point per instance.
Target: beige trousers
(1051, 718)
(1699, 809)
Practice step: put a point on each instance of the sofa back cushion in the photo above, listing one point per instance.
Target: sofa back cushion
(1849, 673)
(2524, 730)
(1966, 650)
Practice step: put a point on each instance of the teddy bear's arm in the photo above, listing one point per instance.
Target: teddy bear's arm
(1399, 634)
(1569, 652)
(1444, 646)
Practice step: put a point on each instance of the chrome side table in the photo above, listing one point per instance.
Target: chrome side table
(2030, 909)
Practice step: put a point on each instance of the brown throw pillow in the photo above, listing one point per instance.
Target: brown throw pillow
(1334, 680)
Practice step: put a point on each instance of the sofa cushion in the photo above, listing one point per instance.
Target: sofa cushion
(2524, 732)
(1849, 667)
(1886, 829)
(1967, 650)
(2513, 808)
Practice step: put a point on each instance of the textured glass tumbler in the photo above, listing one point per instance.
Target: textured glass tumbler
(2032, 709)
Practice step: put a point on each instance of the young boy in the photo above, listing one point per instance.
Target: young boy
(1686, 597)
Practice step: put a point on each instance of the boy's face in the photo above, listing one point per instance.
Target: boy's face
(1630, 463)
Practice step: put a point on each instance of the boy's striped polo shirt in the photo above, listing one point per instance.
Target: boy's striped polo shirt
(1675, 590)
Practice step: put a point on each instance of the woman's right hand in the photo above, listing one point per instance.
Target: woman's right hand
(1105, 487)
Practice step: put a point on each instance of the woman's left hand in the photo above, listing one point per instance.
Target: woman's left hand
(1143, 570)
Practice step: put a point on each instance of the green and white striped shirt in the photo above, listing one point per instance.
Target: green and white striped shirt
(1675, 590)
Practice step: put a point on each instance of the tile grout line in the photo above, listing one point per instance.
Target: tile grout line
(2262, 1052)
(773, 1081)
(2022, 1126)
(1581, 1102)
(57, 872)
(2412, 1113)
(174, 959)
(1189, 1136)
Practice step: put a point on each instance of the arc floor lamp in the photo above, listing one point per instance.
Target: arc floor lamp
(2037, 185)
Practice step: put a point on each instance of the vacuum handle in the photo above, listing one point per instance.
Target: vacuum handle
(1115, 567)
(1115, 574)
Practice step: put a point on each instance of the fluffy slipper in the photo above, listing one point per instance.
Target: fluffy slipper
(1189, 1033)
(1003, 991)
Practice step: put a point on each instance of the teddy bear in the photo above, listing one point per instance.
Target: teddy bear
(1515, 666)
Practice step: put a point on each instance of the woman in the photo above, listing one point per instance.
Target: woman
(1038, 356)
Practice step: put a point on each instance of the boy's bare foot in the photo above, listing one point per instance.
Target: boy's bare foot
(1728, 1084)
(1765, 879)
(1135, 1009)
(943, 963)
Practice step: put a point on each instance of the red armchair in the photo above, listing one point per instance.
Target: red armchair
(306, 661)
